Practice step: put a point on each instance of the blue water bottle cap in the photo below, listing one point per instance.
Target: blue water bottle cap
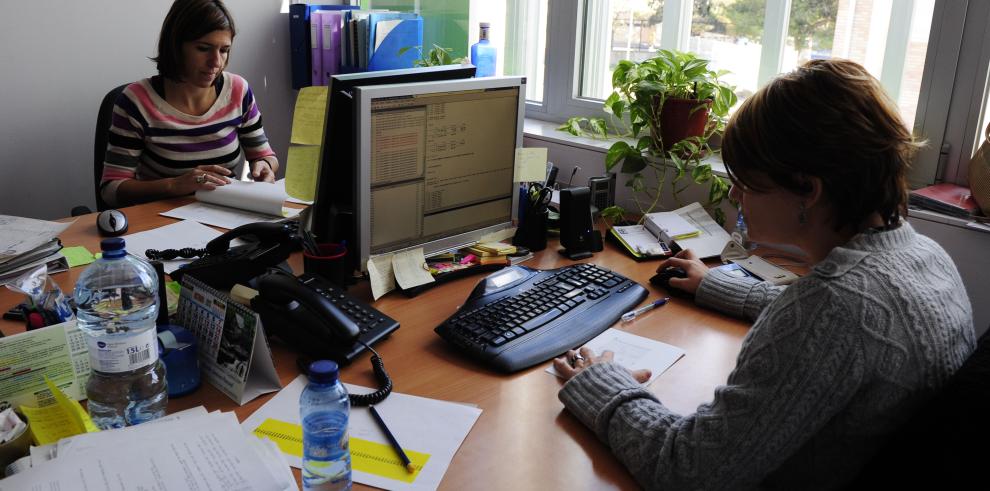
(323, 372)
(112, 247)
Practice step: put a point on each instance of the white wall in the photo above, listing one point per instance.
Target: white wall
(59, 58)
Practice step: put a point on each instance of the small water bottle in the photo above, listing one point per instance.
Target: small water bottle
(483, 54)
(117, 304)
(324, 410)
(741, 234)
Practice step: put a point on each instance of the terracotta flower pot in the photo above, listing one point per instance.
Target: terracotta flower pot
(677, 121)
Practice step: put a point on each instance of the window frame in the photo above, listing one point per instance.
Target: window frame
(956, 72)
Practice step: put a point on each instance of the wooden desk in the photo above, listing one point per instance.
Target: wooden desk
(524, 436)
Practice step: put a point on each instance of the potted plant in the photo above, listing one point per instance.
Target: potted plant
(672, 106)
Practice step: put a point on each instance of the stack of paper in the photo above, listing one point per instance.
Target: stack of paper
(187, 450)
(27, 243)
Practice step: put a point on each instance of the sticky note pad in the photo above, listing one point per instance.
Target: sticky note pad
(531, 164)
(308, 116)
(77, 256)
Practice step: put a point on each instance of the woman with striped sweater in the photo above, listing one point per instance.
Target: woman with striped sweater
(193, 125)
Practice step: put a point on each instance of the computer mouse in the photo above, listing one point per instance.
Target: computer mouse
(662, 279)
(111, 223)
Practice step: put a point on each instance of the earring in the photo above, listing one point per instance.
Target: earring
(802, 215)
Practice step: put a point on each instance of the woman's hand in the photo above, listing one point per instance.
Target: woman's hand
(573, 362)
(689, 262)
(206, 177)
(262, 171)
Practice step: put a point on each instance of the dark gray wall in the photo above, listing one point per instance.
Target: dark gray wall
(59, 58)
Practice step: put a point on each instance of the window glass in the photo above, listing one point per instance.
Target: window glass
(729, 33)
(519, 33)
(616, 30)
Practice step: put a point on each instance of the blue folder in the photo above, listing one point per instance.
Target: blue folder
(299, 42)
(408, 34)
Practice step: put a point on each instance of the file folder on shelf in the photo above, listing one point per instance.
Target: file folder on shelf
(299, 40)
(316, 48)
(406, 34)
(330, 22)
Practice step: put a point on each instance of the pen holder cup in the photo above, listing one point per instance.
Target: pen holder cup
(15, 449)
(331, 263)
(532, 231)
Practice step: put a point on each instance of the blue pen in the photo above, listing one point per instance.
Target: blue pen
(632, 314)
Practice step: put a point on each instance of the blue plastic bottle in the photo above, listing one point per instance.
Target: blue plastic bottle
(741, 234)
(483, 54)
(324, 410)
(117, 302)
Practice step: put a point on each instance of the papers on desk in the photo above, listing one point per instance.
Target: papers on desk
(429, 430)
(186, 233)
(59, 351)
(634, 352)
(236, 204)
(190, 450)
(27, 243)
(711, 238)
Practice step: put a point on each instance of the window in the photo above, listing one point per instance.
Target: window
(518, 30)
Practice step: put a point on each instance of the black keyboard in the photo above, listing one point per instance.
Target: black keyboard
(519, 316)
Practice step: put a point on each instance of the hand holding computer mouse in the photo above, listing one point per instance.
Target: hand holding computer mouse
(684, 272)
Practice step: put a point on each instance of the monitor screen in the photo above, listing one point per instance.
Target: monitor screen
(333, 213)
(436, 163)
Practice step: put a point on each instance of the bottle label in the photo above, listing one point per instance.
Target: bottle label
(124, 355)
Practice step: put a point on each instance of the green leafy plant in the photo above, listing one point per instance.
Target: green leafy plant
(643, 99)
(434, 57)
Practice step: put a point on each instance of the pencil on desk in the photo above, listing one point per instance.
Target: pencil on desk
(391, 438)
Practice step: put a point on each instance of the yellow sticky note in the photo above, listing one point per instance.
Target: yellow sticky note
(366, 456)
(77, 256)
(308, 116)
(64, 418)
(531, 164)
(300, 173)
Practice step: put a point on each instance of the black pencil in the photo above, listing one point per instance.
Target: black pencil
(391, 438)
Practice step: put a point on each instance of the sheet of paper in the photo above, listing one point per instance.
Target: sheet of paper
(301, 172)
(712, 237)
(531, 164)
(58, 352)
(671, 224)
(22, 235)
(639, 239)
(222, 216)
(381, 276)
(77, 256)
(309, 115)
(424, 427)
(259, 197)
(408, 269)
(64, 418)
(186, 233)
(634, 352)
(207, 453)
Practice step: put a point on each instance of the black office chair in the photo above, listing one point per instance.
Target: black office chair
(942, 445)
(100, 148)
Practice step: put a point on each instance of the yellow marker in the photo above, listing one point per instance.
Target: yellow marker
(366, 456)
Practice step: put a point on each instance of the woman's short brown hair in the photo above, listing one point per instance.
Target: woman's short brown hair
(188, 20)
(828, 119)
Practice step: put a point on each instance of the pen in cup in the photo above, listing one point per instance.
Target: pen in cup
(632, 314)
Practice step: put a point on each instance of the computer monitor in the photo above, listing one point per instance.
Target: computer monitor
(333, 211)
(436, 163)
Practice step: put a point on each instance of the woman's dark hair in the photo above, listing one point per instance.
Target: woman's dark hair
(188, 20)
(828, 119)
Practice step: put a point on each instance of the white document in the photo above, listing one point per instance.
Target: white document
(222, 216)
(670, 225)
(21, 235)
(58, 351)
(640, 240)
(206, 453)
(408, 269)
(634, 352)
(419, 424)
(259, 197)
(713, 237)
(186, 233)
(382, 30)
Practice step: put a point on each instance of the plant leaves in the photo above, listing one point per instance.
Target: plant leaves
(598, 127)
(633, 161)
(572, 126)
(616, 153)
(701, 173)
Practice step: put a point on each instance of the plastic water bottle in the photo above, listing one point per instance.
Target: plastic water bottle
(324, 409)
(483, 54)
(741, 234)
(117, 304)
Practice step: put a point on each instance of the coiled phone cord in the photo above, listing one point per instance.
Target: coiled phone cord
(378, 366)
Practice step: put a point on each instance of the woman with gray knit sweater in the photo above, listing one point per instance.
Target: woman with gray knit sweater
(837, 360)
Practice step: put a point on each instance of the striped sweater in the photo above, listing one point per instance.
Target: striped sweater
(832, 365)
(149, 139)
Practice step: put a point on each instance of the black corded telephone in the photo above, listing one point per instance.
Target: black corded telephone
(223, 266)
(321, 321)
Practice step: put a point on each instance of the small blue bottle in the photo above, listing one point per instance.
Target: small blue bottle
(483, 54)
(741, 234)
(324, 409)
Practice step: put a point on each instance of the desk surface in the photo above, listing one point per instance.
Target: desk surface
(524, 435)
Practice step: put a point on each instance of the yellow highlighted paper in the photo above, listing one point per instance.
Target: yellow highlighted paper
(366, 456)
(308, 117)
(66, 417)
(531, 164)
(300, 171)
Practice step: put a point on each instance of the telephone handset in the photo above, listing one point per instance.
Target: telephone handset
(223, 266)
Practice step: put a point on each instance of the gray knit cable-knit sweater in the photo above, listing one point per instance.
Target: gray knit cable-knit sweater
(831, 366)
